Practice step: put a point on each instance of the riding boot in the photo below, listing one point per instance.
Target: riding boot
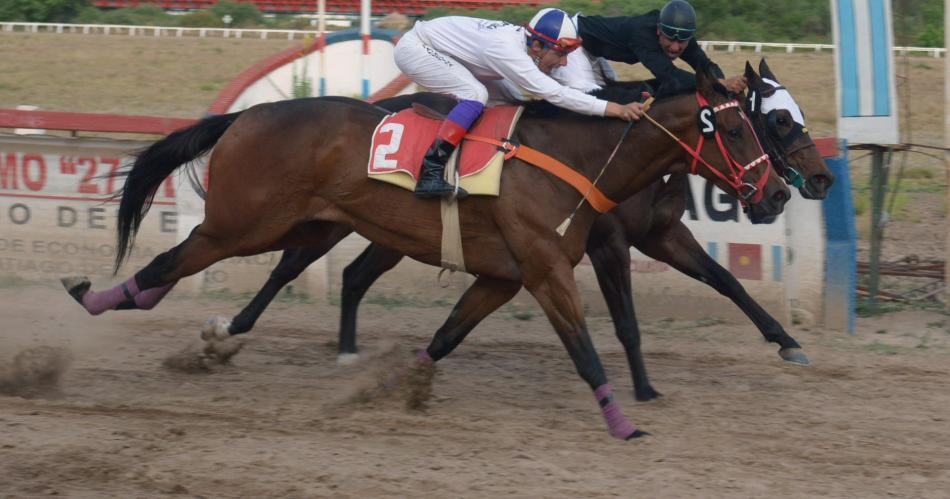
(432, 178)
(431, 182)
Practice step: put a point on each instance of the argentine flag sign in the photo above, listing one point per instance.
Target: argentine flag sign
(864, 69)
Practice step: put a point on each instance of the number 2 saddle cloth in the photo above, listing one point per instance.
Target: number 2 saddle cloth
(402, 139)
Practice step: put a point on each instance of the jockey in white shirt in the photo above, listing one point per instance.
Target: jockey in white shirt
(454, 55)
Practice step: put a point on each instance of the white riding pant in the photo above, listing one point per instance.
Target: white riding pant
(436, 71)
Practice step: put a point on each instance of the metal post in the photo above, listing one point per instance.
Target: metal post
(321, 46)
(946, 139)
(878, 191)
(365, 13)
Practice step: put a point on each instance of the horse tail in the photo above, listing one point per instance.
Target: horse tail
(153, 165)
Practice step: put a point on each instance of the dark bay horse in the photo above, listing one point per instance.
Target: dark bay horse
(649, 221)
(286, 174)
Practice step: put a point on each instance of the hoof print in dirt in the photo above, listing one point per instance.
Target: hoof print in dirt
(205, 359)
(222, 351)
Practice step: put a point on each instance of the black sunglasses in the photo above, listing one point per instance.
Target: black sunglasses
(674, 33)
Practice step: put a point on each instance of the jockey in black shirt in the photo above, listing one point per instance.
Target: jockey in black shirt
(654, 39)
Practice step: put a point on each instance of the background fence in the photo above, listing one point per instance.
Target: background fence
(290, 34)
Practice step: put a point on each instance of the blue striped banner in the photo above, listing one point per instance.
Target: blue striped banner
(777, 263)
(880, 57)
(847, 44)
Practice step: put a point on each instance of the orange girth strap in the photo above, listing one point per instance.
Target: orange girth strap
(597, 199)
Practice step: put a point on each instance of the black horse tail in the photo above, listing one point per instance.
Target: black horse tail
(153, 165)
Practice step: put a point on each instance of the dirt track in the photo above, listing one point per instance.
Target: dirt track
(508, 415)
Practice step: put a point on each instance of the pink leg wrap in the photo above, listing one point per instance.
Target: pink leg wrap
(423, 358)
(146, 300)
(98, 302)
(617, 424)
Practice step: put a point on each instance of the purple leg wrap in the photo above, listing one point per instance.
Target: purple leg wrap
(423, 358)
(98, 302)
(146, 300)
(465, 113)
(617, 424)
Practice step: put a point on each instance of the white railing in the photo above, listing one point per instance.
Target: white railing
(156, 31)
(292, 34)
(809, 47)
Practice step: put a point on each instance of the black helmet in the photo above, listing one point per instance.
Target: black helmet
(677, 20)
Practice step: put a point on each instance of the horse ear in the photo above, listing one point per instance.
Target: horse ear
(750, 73)
(765, 71)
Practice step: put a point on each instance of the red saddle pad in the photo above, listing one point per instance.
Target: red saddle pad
(402, 139)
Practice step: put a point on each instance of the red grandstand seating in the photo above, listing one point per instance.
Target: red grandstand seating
(412, 7)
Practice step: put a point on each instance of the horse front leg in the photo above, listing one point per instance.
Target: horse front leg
(557, 294)
(358, 276)
(611, 261)
(676, 246)
(483, 297)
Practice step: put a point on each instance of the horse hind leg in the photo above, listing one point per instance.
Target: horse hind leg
(148, 286)
(358, 276)
(310, 242)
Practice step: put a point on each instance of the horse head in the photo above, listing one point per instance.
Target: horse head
(780, 124)
(737, 163)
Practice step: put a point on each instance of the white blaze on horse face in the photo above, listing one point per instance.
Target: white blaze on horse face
(782, 99)
(380, 162)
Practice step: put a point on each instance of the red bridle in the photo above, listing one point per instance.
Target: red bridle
(748, 192)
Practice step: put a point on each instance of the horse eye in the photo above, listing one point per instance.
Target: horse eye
(782, 121)
(735, 133)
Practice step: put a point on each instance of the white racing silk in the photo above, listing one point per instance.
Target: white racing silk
(489, 50)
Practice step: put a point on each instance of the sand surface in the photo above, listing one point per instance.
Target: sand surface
(104, 407)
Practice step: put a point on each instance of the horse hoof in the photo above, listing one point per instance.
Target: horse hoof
(646, 394)
(636, 434)
(347, 359)
(794, 356)
(216, 328)
(76, 286)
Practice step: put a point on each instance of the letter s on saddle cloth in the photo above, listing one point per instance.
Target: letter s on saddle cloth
(401, 140)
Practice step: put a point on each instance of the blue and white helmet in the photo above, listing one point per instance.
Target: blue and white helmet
(554, 29)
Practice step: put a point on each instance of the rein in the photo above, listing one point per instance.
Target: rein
(589, 191)
(748, 192)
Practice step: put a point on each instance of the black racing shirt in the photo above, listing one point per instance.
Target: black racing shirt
(633, 39)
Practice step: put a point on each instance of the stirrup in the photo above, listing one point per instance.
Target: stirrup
(441, 189)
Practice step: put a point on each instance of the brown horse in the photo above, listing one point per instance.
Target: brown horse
(286, 174)
(650, 221)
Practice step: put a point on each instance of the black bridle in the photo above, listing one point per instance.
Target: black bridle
(777, 145)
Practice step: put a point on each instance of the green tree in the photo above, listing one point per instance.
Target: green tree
(242, 14)
(40, 10)
(145, 15)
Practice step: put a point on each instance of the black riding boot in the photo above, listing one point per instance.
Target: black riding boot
(431, 183)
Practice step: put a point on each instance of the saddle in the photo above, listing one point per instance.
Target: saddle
(401, 140)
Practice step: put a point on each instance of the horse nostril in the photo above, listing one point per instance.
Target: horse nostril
(780, 197)
(820, 181)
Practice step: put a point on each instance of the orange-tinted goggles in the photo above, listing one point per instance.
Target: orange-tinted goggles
(562, 45)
